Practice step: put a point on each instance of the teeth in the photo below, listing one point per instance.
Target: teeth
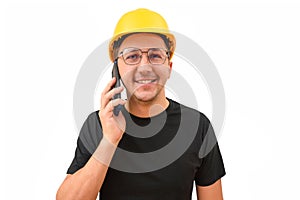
(145, 81)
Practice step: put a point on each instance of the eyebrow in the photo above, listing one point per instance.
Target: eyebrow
(145, 48)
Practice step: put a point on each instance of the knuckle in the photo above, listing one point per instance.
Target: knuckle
(114, 91)
(111, 92)
(112, 102)
(107, 96)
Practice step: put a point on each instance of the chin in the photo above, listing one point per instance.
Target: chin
(143, 95)
(145, 99)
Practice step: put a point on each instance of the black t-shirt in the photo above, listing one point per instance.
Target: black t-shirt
(180, 148)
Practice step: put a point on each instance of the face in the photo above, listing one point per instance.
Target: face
(144, 81)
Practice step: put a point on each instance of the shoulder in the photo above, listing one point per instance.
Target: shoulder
(91, 131)
(189, 112)
(93, 116)
(92, 119)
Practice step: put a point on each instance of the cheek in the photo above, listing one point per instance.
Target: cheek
(126, 74)
(163, 72)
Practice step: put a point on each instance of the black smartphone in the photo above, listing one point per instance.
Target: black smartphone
(115, 73)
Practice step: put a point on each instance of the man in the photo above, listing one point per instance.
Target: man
(142, 48)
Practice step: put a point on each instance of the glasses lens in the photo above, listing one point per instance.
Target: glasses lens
(157, 56)
(132, 56)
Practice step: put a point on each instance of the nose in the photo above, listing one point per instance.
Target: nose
(144, 59)
(144, 67)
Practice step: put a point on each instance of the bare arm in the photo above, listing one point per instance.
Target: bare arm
(211, 192)
(86, 182)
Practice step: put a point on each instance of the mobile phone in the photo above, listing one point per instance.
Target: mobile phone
(115, 73)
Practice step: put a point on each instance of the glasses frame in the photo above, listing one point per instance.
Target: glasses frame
(142, 52)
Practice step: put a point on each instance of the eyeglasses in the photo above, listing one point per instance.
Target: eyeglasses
(133, 56)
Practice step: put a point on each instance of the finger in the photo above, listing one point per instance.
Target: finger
(105, 90)
(107, 111)
(109, 85)
(113, 92)
(108, 96)
(114, 103)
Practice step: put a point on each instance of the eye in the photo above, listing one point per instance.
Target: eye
(156, 56)
(132, 56)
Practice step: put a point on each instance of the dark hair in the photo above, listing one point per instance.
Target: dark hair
(118, 42)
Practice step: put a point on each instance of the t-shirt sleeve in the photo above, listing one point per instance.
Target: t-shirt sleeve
(88, 140)
(212, 166)
(80, 159)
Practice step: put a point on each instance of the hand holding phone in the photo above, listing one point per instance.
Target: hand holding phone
(112, 129)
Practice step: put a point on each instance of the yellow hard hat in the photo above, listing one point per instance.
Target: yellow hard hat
(140, 21)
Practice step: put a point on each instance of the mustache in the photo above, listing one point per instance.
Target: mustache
(144, 73)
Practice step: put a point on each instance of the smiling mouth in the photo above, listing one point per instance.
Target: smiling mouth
(145, 81)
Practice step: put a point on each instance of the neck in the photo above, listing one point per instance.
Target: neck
(146, 108)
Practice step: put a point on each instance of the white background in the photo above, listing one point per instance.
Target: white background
(255, 46)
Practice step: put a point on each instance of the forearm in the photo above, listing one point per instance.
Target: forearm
(86, 182)
(211, 192)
